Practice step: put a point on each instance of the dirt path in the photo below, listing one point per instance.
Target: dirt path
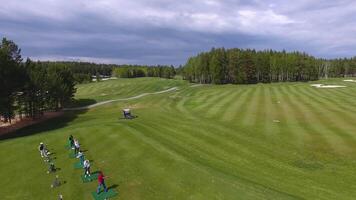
(124, 99)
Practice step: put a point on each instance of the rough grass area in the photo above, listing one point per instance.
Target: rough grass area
(208, 142)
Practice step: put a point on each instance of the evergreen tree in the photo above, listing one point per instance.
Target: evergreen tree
(222, 66)
(10, 77)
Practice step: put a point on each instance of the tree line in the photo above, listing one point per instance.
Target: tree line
(83, 72)
(31, 88)
(248, 66)
(134, 71)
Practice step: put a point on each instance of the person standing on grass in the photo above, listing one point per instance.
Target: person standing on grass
(46, 155)
(76, 146)
(41, 148)
(51, 168)
(71, 141)
(81, 157)
(86, 168)
(56, 182)
(101, 182)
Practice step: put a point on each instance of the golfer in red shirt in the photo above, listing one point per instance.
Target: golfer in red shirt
(101, 182)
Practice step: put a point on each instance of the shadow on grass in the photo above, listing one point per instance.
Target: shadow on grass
(128, 118)
(82, 102)
(48, 125)
(113, 186)
(84, 150)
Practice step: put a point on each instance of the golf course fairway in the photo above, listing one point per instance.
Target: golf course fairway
(263, 141)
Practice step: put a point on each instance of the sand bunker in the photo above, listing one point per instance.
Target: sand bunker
(327, 86)
(350, 81)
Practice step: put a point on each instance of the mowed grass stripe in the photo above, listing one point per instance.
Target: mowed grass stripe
(233, 113)
(248, 110)
(286, 120)
(261, 106)
(262, 162)
(222, 139)
(325, 96)
(280, 112)
(239, 183)
(206, 141)
(319, 136)
(180, 107)
(323, 124)
(348, 92)
(304, 121)
(212, 100)
(199, 95)
(250, 115)
(227, 108)
(269, 114)
(203, 159)
(341, 114)
(232, 108)
(290, 117)
(343, 100)
(237, 141)
(204, 97)
(220, 107)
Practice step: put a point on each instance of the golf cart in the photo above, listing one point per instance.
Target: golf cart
(127, 114)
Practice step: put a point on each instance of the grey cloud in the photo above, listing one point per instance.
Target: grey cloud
(168, 32)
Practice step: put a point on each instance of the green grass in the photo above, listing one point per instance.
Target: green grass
(207, 142)
(122, 88)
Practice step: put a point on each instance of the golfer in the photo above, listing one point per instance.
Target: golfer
(51, 168)
(71, 141)
(41, 148)
(86, 168)
(76, 146)
(101, 182)
(81, 157)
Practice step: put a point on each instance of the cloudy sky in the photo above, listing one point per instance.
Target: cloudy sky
(169, 31)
